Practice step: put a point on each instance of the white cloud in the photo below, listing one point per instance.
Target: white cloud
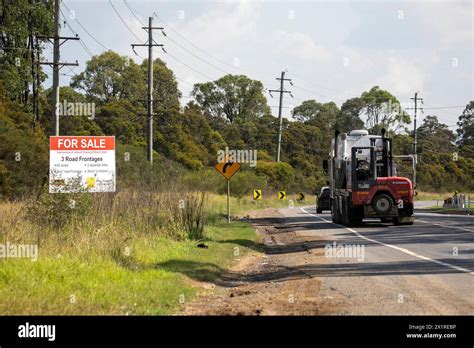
(450, 21)
(222, 24)
(299, 45)
(403, 76)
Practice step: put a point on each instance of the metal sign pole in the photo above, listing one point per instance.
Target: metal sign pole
(228, 201)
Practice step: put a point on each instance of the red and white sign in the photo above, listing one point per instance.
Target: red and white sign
(82, 163)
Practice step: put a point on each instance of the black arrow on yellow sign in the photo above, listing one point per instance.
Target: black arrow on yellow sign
(281, 195)
(257, 194)
(228, 164)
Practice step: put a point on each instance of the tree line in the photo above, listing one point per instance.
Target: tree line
(230, 111)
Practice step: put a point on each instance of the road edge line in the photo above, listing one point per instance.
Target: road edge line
(403, 250)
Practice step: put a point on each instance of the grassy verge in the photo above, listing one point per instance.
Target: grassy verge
(241, 206)
(154, 277)
(120, 268)
(437, 196)
(441, 210)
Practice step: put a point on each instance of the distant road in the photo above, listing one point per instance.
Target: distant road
(426, 204)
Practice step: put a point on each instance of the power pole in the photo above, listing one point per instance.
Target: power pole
(56, 54)
(415, 139)
(280, 123)
(36, 111)
(56, 64)
(150, 44)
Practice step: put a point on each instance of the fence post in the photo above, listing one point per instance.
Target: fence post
(468, 204)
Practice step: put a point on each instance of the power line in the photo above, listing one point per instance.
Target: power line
(188, 66)
(135, 13)
(83, 45)
(83, 28)
(441, 107)
(132, 12)
(63, 74)
(193, 45)
(169, 54)
(190, 52)
(123, 21)
(312, 92)
(177, 43)
(184, 81)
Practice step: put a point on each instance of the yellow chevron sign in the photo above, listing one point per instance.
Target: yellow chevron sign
(257, 194)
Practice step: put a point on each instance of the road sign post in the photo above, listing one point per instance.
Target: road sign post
(227, 170)
(228, 201)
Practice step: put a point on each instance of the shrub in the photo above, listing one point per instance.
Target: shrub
(278, 175)
(243, 183)
(55, 210)
(191, 214)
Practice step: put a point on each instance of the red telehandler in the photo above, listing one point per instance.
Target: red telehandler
(360, 169)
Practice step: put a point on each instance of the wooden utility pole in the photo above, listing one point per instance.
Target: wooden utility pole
(280, 122)
(415, 138)
(56, 65)
(56, 54)
(150, 44)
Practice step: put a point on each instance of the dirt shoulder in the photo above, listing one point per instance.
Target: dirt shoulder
(271, 282)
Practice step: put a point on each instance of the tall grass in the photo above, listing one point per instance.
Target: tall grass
(103, 222)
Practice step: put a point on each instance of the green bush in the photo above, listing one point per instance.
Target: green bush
(278, 175)
(243, 183)
(55, 210)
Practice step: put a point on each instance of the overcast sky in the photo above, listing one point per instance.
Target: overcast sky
(333, 50)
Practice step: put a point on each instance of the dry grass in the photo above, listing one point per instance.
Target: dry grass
(438, 196)
(107, 222)
(131, 252)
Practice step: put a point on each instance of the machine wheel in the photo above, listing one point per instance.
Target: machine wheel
(348, 218)
(382, 203)
(336, 216)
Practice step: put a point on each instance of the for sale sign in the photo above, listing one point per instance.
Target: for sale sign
(81, 163)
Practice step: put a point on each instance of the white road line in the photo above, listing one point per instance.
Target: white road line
(437, 224)
(403, 250)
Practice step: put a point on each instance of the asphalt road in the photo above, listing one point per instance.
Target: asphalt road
(427, 268)
(305, 269)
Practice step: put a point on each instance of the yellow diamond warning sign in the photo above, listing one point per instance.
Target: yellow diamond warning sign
(227, 169)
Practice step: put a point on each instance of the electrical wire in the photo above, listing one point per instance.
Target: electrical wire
(83, 28)
(123, 21)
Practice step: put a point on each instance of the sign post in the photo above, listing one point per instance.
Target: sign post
(228, 201)
(227, 170)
